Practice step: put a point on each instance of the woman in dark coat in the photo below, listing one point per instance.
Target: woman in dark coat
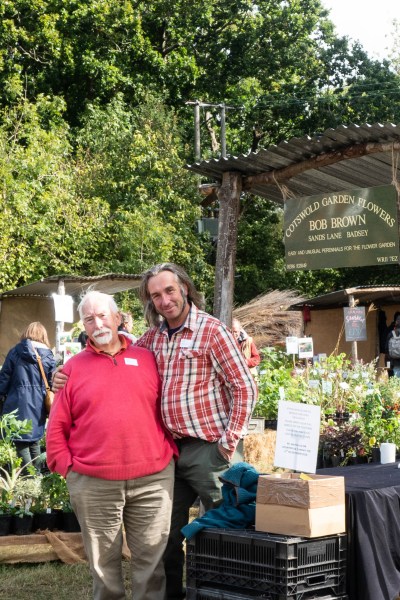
(22, 385)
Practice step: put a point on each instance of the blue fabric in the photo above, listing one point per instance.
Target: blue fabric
(22, 384)
(238, 507)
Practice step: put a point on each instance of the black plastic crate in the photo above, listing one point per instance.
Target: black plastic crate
(214, 594)
(263, 565)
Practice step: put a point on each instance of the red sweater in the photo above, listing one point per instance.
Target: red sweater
(105, 422)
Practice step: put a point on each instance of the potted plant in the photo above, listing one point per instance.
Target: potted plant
(46, 506)
(276, 381)
(25, 490)
(378, 421)
(341, 443)
(69, 521)
(18, 484)
(6, 513)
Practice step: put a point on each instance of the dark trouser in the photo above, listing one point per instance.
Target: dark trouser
(196, 474)
(29, 451)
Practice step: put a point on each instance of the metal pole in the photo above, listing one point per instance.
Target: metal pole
(197, 150)
(354, 353)
(223, 131)
(223, 107)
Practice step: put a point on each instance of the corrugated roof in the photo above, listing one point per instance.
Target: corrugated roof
(360, 172)
(363, 295)
(75, 285)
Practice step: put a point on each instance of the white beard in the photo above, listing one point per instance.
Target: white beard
(103, 336)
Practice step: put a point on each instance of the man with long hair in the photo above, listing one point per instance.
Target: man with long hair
(208, 395)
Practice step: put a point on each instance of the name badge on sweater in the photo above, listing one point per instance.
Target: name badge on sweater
(131, 361)
(186, 343)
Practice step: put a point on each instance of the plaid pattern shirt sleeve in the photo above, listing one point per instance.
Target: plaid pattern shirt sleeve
(207, 389)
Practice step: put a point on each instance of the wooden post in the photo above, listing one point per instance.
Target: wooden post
(229, 202)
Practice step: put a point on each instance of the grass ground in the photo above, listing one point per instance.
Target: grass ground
(49, 581)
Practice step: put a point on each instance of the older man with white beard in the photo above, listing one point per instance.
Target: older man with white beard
(106, 438)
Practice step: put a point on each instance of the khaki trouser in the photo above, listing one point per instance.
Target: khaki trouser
(143, 506)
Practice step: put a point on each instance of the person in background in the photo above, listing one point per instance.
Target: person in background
(247, 347)
(393, 360)
(82, 339)
(22, 385)
(126, 326)
(105, 436)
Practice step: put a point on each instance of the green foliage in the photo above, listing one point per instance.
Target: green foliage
(275, 382)
(22, 490)
(379, 415)
(390, 394)
(121, 205)
(12, 428)
(343, 441)
(338, 387)
(132, 160)
(13, 477)
(57, 489)
(334, 384)
(46, 227)
(53, 494)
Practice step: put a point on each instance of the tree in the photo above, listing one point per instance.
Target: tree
(45, 226)
(132, 160)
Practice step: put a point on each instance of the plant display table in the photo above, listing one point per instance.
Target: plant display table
(373, 527)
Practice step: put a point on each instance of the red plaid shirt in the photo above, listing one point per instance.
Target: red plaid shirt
(208, 391)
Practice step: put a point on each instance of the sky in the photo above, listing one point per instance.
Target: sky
(367, 21)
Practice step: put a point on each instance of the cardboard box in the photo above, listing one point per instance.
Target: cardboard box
(289, 505)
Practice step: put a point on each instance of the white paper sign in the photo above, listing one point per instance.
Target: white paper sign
(297, 436)
(292, 345)
(306, 349)
(70, 349)
(63, 307)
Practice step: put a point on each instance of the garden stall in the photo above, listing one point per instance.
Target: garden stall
(323, 320)
(34, 302)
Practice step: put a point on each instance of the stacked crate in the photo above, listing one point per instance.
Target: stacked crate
(244, 564)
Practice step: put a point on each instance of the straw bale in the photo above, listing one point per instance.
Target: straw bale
(267, 319)
(259, 450)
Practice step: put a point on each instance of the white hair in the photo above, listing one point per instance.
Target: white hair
(94, 295)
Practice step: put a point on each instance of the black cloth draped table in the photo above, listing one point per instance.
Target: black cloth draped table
(373, 527)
